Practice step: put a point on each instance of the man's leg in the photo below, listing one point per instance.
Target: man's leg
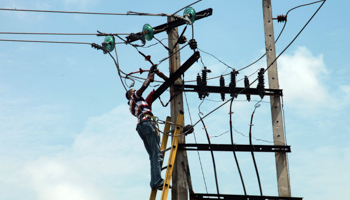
(151, 142)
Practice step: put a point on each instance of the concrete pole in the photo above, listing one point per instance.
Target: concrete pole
(275, 102)
(179, 180)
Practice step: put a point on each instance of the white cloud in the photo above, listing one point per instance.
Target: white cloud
(106, 159)
(55, 180)
(301, 77)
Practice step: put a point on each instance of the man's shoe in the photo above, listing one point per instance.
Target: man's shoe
(160, 187)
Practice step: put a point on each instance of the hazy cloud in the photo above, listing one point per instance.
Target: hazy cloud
(105, 160)
(301, 76)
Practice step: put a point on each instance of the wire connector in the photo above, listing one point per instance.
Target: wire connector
(98, 47)
(281, 18)
(261, 83)
(193, 44)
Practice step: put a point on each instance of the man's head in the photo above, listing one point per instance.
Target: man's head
(129, 93)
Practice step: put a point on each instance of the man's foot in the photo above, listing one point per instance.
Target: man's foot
(160, 187)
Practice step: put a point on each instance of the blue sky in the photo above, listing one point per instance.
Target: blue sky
(65, 131)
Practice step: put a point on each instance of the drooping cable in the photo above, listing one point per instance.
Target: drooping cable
(324, 1)
(257, 105)
(270, 63)
(212, 155)
(263, 54)
(117, 66)
(186, 7)
(195, 140)
(234, 152)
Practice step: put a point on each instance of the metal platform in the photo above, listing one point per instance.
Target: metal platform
(229, 147)
(238, 197)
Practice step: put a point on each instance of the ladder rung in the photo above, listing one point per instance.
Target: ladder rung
(167, 149)
(163, 168)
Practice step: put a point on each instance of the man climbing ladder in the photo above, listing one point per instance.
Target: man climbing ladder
(141, 109)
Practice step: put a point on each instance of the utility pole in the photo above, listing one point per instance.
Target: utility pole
(275, 102)
(179, 180)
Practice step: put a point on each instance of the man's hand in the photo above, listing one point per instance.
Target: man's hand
(153, 69)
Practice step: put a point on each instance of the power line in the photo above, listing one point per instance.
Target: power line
(27, 33)
(270, 64)
(88, 13)
(40, 41)
(186, 7)
(263, 54)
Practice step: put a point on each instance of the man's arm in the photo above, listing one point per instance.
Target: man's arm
(161, 75)
(145, 84)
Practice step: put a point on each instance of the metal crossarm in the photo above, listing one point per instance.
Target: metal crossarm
(239, 197)
(223, 90)
(176, 75)
(229, 147)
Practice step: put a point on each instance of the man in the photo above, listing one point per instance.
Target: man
(141, 109)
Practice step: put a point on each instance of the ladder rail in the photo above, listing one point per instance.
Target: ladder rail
(162, 149)
(172, 156)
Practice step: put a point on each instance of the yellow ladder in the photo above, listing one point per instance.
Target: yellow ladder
(172, 156)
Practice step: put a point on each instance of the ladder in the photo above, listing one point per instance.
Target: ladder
(172, 156)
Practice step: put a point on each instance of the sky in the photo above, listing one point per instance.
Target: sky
(65, 128)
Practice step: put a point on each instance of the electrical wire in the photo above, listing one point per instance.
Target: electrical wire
(40, 41)
(279, 35)
(155, 43)
(215, 136)
(216, 58)
(116, 62)
(234, 152)
(90, 13)
(195, 140)
(212, 155)
(270, 63)
(257, 105)
(295, 37)
(307, 4)
(27, 33)
(201, 118)
(186, 7)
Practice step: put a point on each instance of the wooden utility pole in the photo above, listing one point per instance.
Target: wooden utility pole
(179, 179)
(275, 102)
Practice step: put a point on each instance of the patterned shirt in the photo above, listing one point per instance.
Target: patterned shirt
(138, 105)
